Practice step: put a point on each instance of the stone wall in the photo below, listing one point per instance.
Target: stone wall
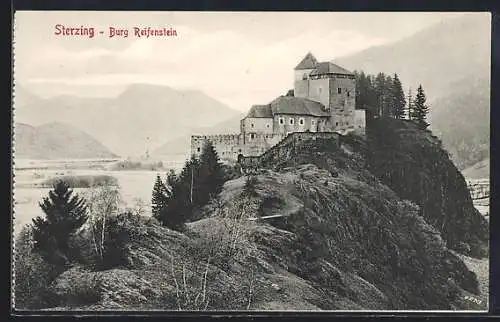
(228, 146)
(287, 148)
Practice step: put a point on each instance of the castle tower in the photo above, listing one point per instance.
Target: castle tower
(335, 88)
(330, 85)
(302, 71)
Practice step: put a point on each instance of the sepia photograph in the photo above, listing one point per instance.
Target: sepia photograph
(251, 161)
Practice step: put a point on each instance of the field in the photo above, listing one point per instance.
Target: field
(32, 176)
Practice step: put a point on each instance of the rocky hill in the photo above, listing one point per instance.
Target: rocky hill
(57, 141)
(367, 225)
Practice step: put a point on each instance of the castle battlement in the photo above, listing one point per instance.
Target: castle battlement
(216, 137)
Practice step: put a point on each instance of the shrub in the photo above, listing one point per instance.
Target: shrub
(32, 274)
(81, 181)
(137, 165)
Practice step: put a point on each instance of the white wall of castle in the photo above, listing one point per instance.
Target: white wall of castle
(319, 90)
(257, 125)
(302, 74)
(287, 123)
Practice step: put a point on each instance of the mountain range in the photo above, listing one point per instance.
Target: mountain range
(57, 141)
(140, 119)
(450, 59)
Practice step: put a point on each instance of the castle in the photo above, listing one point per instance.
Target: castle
(323, 100)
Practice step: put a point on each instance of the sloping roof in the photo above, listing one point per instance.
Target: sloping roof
(288, 105)
(297, 105)
(260, 111)
(328, 67)
(309, 62)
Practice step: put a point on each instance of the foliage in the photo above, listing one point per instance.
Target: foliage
(199, 181)
(32, 274)
(398, 98)
(413, 163)
(383, 96)
(232, 171)
(103, 204)
(211, 175)
(81, 181)
(160, 197)
(420, 109)
(64, 215)
(137, 165)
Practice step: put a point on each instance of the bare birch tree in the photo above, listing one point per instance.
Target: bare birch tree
(103, 202)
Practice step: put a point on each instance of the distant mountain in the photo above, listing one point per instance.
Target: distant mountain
(22, 96)
(182, 145)
(442, 53)
(480, 170)
(451, 60)
(462, 121)
(57, 141)
(140, 119)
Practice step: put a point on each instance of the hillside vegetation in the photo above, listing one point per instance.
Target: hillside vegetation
(348, 236)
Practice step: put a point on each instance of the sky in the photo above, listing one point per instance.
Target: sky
(241, 59)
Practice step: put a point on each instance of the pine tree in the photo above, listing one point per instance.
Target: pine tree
(160, 197)
(420, 109)
(211, 175)
(398, 98)
(410, 104)
(181, 192)
(388, 106)
(64, 214)
(382, 87)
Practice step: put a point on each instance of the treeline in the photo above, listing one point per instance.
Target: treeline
(383, 96)
(178, 198)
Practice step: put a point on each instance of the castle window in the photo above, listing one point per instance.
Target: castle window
(282, 121)
(198, 149)
(339, 90)
(336, 123)
(251, 125)
(252, 136)
(292, 121)
(301, 121)
(239, 150)
(304, 77)
(348, 94)
(267, 125)
(313, 122)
